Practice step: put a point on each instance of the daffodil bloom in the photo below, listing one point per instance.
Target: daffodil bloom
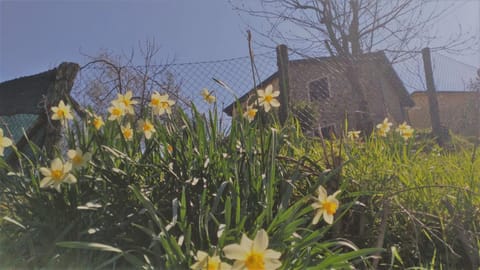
(97, 122)
(57, 174)
(161, 104)
(325, 206)
(253, 255)
(207, 96)
(117, 111)
(384, 128)
(267, 98)
(353, 135)
(169, 149)
(61, 112)
(250, 113)
(78, 159)
(147, 128)
(405, 131)
(127, 102)
(127, 132)
(205, 262)
(4, 142)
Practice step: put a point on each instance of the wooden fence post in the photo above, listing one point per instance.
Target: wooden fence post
(437, 130)
(283, 83)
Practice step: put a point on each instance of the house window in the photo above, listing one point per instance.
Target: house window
(318, 89)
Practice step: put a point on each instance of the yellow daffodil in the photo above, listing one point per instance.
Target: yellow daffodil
(78, 159)
(61, 112)
(325, 206)
(97, 122)
(147, 128)
(267, 98)
(384, 128)
(250, 113)
(4, 142)
(127, 102)
(207, 96)
(353, 135)
(57, 174)
(117, 111)
(253, 255)
(405, 131)
(169, 149)
(127, 132)
(161, 104)
(205, 262)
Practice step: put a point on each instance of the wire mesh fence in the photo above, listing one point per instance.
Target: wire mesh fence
(320, 89)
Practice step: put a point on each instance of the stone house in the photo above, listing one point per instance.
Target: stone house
(459, 111)
(322, 85)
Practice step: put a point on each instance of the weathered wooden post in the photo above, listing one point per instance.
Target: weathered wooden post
(283, 82)
(60, 90)
(437, 129)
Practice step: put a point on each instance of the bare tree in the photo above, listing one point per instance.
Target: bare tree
(107, 75)
(353, 27)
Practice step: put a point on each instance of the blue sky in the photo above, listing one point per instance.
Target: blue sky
(38, 35)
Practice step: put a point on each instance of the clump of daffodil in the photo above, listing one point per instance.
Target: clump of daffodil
(117, 111)
(384, 127)
(78, 158)
(325, 206)
(127, 132)
(57, 174)
(4, 142)
(353, 135)
(208, 96)
(250, 113)
(405, 131)
(205, 262)
(253, 255)
(267, 98)
(161, 104)
(127, 102)
(62, 112)
(147, 128)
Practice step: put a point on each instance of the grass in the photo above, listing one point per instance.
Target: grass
(195, 186)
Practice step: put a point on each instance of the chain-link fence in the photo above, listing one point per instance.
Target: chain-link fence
(320, 89)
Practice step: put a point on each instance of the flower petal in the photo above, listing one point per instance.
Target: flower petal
(235, 251)
(261, 241)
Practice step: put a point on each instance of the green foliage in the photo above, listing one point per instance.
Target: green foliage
(154, 203)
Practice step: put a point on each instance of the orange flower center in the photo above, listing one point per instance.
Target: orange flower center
(97, 123)
(116, 112)
(77, 159)
(155, 101)
(330, 207)
(61, 113)
(57, 175)
(127, 133)
(212, 265)
(268, 98)
(252, 113)
(255, 261)
(164, 104)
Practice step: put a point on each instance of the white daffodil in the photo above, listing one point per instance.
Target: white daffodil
(253, 255)
(57, 174)
(267, 98)
(325, 206)
(205, 262)
(161, 104)
(62, 112)
(4, 142)
(384, 128)
(78, 158)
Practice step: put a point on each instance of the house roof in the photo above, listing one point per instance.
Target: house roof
(23, 95)
(380, 57)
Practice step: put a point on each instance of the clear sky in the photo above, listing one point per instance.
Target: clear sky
(38, 35)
